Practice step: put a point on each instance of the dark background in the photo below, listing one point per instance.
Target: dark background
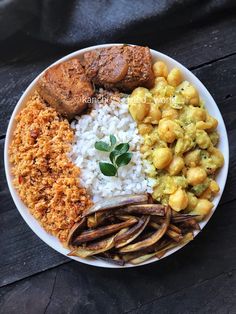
(201, 278)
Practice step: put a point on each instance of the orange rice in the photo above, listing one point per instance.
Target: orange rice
(46, 180)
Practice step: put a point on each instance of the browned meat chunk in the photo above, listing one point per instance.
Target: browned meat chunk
(123, 67)
(66, 88)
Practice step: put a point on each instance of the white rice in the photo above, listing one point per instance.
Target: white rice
(103, 120)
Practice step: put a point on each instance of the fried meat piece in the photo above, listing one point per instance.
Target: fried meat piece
(120, 67)
(66, 87)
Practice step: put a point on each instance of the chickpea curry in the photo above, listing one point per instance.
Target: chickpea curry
(179, 142)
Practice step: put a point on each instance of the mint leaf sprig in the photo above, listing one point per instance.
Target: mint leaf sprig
(119, 156)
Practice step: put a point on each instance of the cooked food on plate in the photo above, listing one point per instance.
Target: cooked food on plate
(46, 180)
(116, 155)
(179, 139)
(66, 87)
(123, 67)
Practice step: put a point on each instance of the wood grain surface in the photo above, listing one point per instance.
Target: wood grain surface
(200, 278)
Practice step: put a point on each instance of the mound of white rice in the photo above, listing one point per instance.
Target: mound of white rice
(103, 120)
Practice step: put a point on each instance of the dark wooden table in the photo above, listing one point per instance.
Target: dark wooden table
(201, 278)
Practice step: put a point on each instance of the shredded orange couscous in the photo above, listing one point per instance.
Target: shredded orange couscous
(46, 180)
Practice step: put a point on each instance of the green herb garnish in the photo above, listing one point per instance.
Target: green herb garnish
(122, 148)
(102, 146)
(107, 169)
(123, 159)
(112, 140)
(119, 156)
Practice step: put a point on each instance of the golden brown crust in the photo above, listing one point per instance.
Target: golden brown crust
(121, 67)
(66, 88)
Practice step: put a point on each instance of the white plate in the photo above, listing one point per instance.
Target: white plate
(210, 105)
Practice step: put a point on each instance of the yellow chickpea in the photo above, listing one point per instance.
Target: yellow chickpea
(168, 130)
(169, 186)
(192, 201)
(191, 95)
(214, 187)
(217, 157)
(160, 69)
(203, 208)
(207, 194)
(160, 79)
(194, 101)
(210, 124)
(145, 128)
(139, 112)
(176, 165)
(170, 113)
(159, 87)
(196, 175)
(199, 114)
(169, 90)
(178, 200)
(202, 139)
(142, 94)
(139, 103)
(154, 114)
(162, 157)
(192, 158)
(174, 78)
